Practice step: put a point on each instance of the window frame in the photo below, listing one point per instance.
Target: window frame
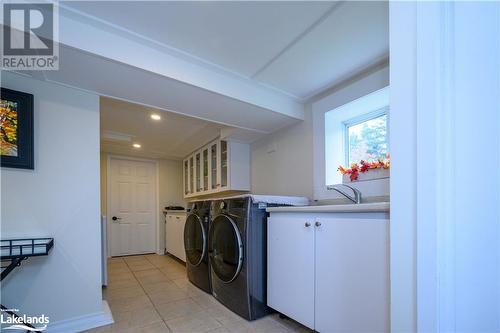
(384, 111)
(376, 84)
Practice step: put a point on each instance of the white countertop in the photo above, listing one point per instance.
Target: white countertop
(274, 199)
(344, 208)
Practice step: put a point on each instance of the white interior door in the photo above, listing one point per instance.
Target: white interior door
(132, 206)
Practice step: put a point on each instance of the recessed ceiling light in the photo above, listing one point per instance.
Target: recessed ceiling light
(136, 145)
(155, 116)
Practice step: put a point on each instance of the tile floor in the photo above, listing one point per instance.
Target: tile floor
(151, 294)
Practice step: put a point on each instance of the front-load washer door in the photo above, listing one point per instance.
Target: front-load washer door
(225, 248)
(195, 240)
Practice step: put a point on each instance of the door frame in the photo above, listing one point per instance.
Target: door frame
(425, 102)
(156, 202)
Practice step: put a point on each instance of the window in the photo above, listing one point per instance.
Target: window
(351, 132)
(366, 137)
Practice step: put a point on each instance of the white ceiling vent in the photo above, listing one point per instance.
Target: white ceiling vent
(116, 136)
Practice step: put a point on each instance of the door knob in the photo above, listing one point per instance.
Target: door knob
(307, 224)
(114, 218)
(318, 223)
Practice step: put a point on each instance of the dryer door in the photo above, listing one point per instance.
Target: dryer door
(225, 248)
(195, 240)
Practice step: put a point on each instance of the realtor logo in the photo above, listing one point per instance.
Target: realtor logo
(30, 36)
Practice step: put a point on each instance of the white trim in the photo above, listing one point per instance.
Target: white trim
(402, 16)
(157, 194)
(159, 213)
(435, 58)
(444, 228)
(82, 323)
(429, 142)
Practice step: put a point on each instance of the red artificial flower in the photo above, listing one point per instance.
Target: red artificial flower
(355, 168)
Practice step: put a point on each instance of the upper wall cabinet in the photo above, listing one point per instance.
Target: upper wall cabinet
(220, 166)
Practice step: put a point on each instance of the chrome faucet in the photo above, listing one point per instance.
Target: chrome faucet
(357, 194)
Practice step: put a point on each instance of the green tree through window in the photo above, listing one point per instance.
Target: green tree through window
(367, 140)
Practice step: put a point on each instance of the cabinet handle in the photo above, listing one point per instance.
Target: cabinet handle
(318, 223)
(307, 224)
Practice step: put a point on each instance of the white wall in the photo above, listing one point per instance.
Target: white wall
(283, 162)
(170, 183)
(104, 182)
(60, 199)
(475, 198)
(170, 191)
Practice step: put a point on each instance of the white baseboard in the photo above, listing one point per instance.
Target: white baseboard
(83, 323)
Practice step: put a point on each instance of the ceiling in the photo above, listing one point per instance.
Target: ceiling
(118, 80)
(299, 48)
(239, 36)
(241, 68)
(173, 136)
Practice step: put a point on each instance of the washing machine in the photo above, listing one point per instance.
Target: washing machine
(237, 252)
(196, 244)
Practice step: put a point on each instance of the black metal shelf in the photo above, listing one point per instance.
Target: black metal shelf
(25, 247)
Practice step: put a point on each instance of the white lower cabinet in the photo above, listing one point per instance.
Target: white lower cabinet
(330, 272)
(290, 270)
(174, 234)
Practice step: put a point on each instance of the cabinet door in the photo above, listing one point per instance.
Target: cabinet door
(205, 169)
(290, 266)
(179, 239)
(224, 164)
(181, 222)
(214, 182)
(170, 234)
(191, 174)
(352, 275)
(197, 172)
(186, 177)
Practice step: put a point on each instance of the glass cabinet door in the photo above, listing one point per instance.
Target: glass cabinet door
(186, 177)
(223, 164)
(198, 172)
(191, 175)
(213, 166)
(205, 169)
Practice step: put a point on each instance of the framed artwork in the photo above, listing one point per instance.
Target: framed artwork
(16, 129)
